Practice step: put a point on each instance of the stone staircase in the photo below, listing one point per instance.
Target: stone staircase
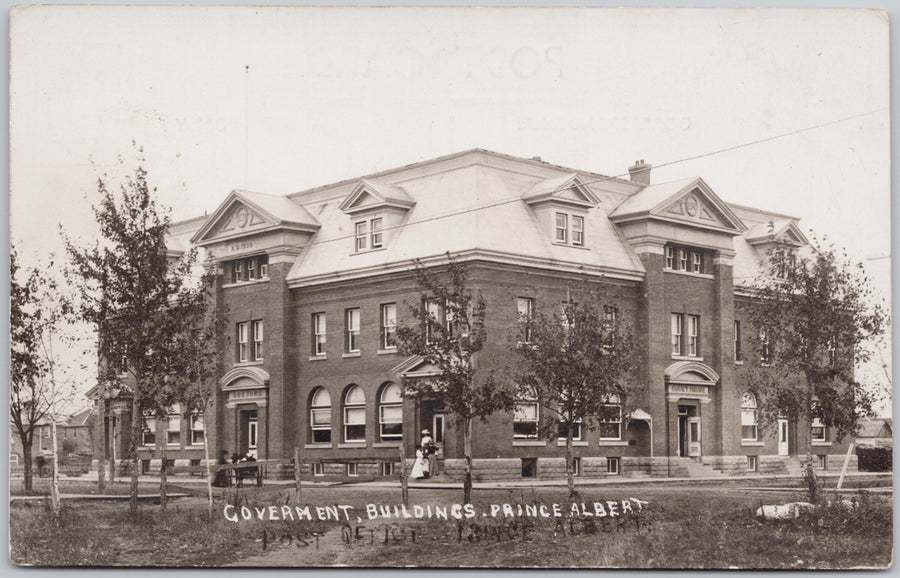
(794, 467)
(694, 468)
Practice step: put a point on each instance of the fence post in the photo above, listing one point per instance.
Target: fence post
(846, 463)
(297, 470)
(403, 478)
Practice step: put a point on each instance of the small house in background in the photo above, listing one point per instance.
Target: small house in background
(875, 433)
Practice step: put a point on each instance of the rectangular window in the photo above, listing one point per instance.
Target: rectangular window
(677, 322)
(362, 234)
(318, 333)
(389, 326)
(613, 466)
(251, 269)
(817, 430)
(258, 340)
(433, 314)
(237, 272)
(738, 355)
(390, 419)
(576, 466)
(318, 469)
(563, 429)
(376, 234)
(525, 420)
(610, 428)
(525, 308)
(822, 462)
(693, 335)
(682, 259)
(752, 463)
(387, 469)
(354, 424)
(197, 430)
(698, 262)
(766, 353)
(173, 430)
(529, 467)
(352, 470)
(243, 345)
(749, 429)
(352, 330)
(562, 227)
(149, 432)
(670, 257)
(577, 231)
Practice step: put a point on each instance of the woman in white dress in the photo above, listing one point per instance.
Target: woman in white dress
(418, 470)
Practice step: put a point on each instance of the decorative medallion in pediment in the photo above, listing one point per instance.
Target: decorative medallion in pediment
(693, 207)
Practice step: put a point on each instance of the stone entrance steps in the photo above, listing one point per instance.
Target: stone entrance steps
(676, 467)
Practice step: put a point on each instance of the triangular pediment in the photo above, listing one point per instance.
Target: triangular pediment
(568, 190)
(244, 213)
(784, 230)
(368, 195)
(689, 201)
(416, 366)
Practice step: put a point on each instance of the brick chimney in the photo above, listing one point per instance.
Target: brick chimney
(640, 172)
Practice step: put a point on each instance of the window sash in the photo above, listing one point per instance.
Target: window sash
(148, 436)
(683, 259)
(677, 321)
(361, 235)
(817, 430)
(319, 328)
(353, 330)
(577, 230)
(355, 424)
(611, 429)
(698, 262)
(525, 308)
(320, 417)
(376, 233)
(389, 326)
(391, 421)
(525, 420)
(258, 340)
(737, 341)
(242, 341)
(173, 430)
(693, 335)
(562, 227)
(670, 257)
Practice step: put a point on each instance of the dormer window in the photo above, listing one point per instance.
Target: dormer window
(369, 235)
(250, 269)
(569, 229)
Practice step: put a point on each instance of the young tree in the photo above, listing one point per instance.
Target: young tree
(38, 386)
(578, 362)
(131, 289)
(448, 333)
(817, 319)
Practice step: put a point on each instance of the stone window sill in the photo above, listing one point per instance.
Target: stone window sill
(248, 363)
(821, 443)
(575, 443)
(752, 444)
(317, 446)
(322, 357)
(689, 274)
(386, 444)
(687, 357)
(352, 354)
(529, 443)
(353, 446)
(387, 351)
(613, 443)
(245, 283)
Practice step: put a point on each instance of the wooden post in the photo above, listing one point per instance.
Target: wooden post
(404, 484)
(297, 471)
(846, 463)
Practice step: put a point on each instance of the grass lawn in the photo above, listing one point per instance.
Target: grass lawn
(687, 526)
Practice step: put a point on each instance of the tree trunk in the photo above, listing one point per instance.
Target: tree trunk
(467, 453)
(132, 449)
(112, 448)
(404, 477)
(26, 457)
(809, 476)
(101, 456)
(163, 474)
(570, 465)
(54, 482)
(209, 479)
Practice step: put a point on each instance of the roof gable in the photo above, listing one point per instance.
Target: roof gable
(371, 195)
(777, 230)
(568, 189)
(688, 201)
(244, 213)
(416, 366)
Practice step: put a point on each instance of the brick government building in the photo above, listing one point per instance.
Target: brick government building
(313, 286)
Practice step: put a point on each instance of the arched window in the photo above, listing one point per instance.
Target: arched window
(320, 416)
(525, 416)
(390, 412)
(355, 415)
(749, 429)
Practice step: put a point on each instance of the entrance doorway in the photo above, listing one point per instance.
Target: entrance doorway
(688, 431)
(249, 435)
(784, 429)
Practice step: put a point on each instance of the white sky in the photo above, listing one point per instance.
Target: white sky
(336, 93)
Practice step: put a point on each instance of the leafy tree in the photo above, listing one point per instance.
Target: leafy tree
(136, 294)
(578, 362)
(448, 333)
(817, 318)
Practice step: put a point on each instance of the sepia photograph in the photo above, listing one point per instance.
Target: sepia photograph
(450, 287)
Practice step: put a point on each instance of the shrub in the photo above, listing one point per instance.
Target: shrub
(875, 459)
